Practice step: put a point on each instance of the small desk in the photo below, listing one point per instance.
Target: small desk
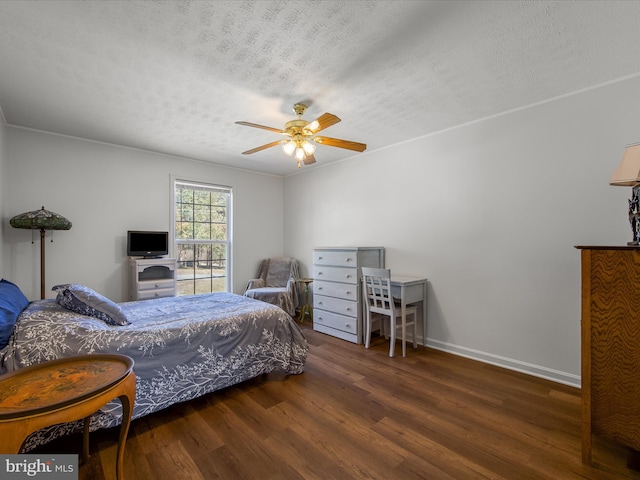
(65, 390)
(411, 289)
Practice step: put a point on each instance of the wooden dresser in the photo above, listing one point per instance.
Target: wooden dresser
(610, 346)
(337, 309)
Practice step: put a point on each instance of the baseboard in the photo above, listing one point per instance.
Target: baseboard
(509, 363)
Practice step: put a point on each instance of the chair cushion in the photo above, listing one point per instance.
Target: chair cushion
(12, 303)
(275, 296)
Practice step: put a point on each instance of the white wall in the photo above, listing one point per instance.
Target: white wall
(106, 190)
(3, 183)
(490, 212)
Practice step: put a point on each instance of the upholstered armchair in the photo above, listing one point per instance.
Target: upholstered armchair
(276, 283)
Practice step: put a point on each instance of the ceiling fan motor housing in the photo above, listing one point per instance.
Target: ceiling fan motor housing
(296, 126)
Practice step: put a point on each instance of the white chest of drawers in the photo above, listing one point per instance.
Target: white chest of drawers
(337, 309)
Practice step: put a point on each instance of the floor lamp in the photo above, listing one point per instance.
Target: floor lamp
(41, 220)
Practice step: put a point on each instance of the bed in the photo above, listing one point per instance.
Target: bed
(183, 347)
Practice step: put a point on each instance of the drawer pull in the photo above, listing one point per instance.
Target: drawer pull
(348, 309)
(348, 259)
(157, 285)
(319, 303)
(347, 276)
(319, 273)
(347, 292)
(319, 288)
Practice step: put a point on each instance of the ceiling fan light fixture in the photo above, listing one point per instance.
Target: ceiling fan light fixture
(289, 147)
(300, 154)
(313, 126)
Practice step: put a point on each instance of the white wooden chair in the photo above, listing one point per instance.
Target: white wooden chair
(379, 303)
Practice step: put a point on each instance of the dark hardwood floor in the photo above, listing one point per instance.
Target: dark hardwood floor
(358, 414)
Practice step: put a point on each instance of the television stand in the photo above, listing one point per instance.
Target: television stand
(152, 278)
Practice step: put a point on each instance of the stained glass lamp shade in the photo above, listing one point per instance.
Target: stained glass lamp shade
(41, 220)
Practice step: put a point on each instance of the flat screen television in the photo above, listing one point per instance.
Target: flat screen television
(147, 244)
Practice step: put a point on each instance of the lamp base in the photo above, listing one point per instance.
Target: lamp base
(634, 215)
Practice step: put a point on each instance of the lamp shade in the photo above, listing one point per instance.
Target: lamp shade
(628, 172)
(39, 220)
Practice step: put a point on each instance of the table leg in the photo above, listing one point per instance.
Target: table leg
(127, 400)
(424, 314)
(10, 440)
(306, 308)
(85, 438)
(392, 340)
(303, 313)
(403, 311)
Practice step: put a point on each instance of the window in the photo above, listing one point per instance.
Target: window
(202, 237)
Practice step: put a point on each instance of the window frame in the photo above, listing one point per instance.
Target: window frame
(175, 180)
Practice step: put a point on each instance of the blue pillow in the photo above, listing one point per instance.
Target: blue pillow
(83, 300)
(12, 303)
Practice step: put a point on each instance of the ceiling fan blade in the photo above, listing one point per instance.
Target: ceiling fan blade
(271, 129)
(336, 142)
(263, 147)
(309, 160)
(323, 121)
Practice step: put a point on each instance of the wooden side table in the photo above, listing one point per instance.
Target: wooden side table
(306, 308)
(65, 390)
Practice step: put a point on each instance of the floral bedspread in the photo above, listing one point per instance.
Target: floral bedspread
(183, 347)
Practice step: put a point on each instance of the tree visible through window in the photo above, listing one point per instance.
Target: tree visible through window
(202, 237)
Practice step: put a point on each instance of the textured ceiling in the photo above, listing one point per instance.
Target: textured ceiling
(173, 76)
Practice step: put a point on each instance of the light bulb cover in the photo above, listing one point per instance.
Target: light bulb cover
(309, 148)
(289, 147)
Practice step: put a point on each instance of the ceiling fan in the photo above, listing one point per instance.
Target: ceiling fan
(301, 134)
